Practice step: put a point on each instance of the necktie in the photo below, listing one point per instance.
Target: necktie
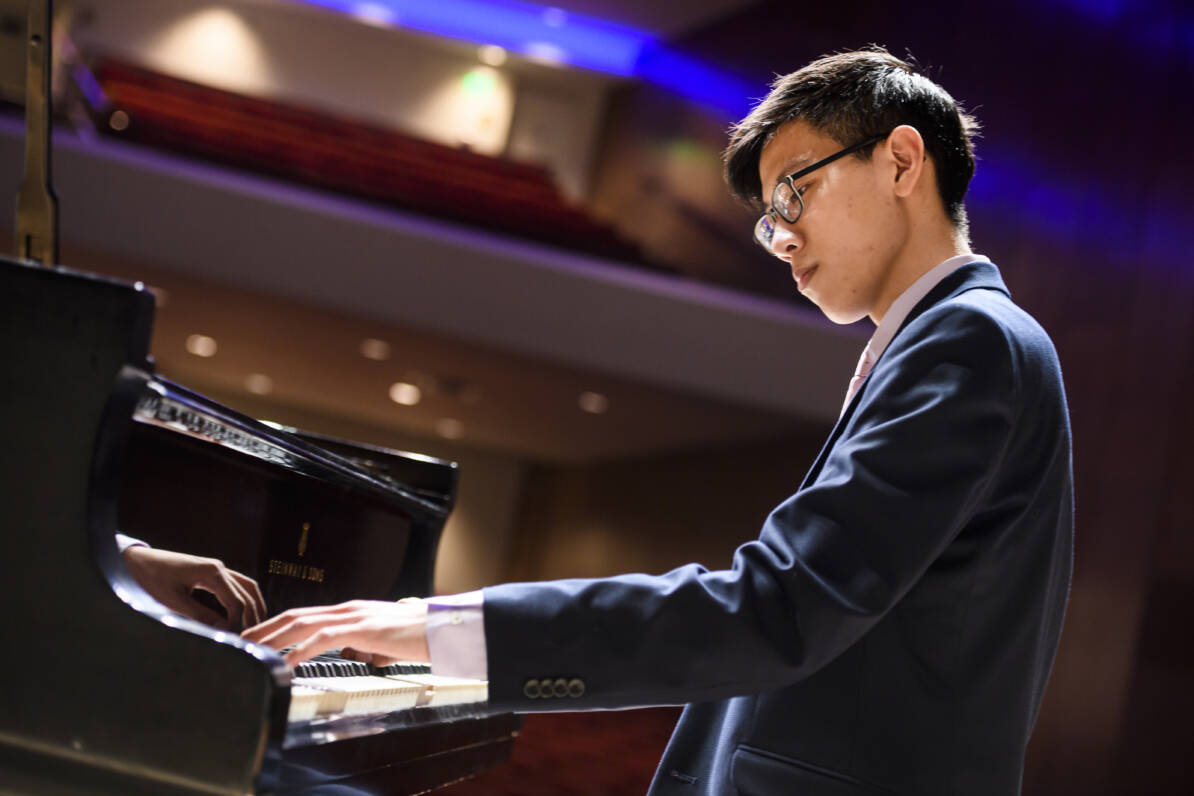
(865, 363)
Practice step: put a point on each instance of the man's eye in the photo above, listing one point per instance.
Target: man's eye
(802, 189)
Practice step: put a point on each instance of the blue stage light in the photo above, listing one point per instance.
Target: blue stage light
(1080, 213)
(534, 31)
(715, 89)
(550, 34)
(1162, 28)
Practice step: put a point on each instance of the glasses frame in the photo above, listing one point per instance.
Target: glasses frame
(773, 212)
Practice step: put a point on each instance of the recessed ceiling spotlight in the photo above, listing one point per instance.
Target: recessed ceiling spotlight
(372, 348)
(201, 345)
(376, 14)
(259, 384)
(492, 55)
(449, 428)
(405, 393)
(545, 52)
(593, 402)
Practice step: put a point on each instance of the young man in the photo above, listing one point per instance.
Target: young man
(893, 627)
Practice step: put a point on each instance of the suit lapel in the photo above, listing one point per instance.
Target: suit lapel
(967, 277)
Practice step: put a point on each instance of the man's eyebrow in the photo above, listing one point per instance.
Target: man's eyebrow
(790, 167)
(795, 165)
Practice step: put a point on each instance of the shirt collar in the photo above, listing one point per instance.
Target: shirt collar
(910, 298)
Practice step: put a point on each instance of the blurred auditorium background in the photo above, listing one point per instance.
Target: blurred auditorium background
(496, 232)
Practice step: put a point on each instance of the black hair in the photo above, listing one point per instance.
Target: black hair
(853, 96)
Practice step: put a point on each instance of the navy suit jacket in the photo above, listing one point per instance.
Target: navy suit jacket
(892, 628)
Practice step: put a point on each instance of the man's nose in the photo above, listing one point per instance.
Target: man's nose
(785, 240)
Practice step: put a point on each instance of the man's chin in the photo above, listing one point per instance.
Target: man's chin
(842, 317)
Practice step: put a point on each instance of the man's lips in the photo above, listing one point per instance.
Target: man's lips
(802, 276)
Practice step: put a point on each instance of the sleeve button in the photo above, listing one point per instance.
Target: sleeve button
(576, 688)
(560, 687)
(545, 688)
(531, 689)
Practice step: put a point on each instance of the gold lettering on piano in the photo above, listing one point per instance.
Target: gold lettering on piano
(289, 569)
(302, 547)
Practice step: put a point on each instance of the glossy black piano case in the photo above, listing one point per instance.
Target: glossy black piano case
(101, 698)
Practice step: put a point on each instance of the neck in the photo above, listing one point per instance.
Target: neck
(922, 253)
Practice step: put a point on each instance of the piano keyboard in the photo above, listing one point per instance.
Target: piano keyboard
(329, 686)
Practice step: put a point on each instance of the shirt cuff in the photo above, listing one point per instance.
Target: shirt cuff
(456, 635)
(125, 542)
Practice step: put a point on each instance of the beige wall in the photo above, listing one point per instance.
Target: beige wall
(516, 520)
(476, 545)
(654, 513)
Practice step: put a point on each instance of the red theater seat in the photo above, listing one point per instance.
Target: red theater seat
(353, 158)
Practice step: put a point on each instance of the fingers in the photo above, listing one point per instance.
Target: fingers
(248, 596)
(260, 632)
(377, 659)
(327, 638)
(214, 577)
(236, 592)
(385, 660)
(170, 577)
(357, 655)
(365, 632)
(256, 599)
(299, 628)
(376, 628)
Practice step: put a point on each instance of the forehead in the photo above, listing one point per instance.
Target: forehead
(794, 145)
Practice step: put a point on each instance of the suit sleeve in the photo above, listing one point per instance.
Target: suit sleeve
(913, 463)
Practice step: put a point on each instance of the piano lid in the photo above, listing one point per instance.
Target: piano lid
(377, 470)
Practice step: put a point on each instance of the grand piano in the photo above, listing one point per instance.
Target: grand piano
(105, 690)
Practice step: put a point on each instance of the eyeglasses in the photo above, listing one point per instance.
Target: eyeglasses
(787, 201)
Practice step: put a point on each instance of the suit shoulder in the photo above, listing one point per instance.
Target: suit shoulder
(989, 316)
(994, 327)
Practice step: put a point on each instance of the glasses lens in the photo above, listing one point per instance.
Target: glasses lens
(764, 229)
(786, 202)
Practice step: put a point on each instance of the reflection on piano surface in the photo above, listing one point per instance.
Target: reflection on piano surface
(145, 701)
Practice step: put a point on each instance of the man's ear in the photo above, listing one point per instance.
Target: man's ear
(907, 150)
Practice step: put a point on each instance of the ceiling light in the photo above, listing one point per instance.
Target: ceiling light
(214, 46)
(586, 41)
(545, 52)
(480, 82)
(259, 384)
(201, 345)
(593, 402)
(405, 393)
(375, 14)
(372, 348)
(492, 55)
(449, 428)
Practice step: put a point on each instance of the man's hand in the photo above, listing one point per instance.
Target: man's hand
(170, 577)
(383, 632)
